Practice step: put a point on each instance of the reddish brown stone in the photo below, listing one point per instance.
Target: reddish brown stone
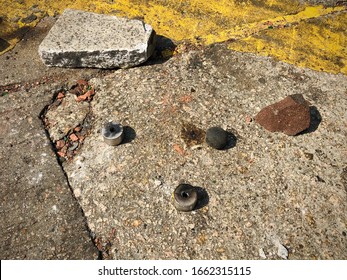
(290, 115)
(73, 137)
(60, 144)
(61, 95)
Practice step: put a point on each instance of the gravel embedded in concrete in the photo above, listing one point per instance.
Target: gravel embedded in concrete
(270, 196)
(39, 217)
(83, 39)
(74, 114)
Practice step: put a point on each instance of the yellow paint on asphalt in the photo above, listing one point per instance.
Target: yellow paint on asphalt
(246, 30)
(196, 21)
(319, 44)
(175, 19)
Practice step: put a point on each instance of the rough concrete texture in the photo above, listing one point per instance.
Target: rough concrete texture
(21, 68)
(268, 195)
(83, 39)
(74, 114)
(40, 219)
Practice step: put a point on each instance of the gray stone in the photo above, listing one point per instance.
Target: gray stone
(83, 39)
(216, 137)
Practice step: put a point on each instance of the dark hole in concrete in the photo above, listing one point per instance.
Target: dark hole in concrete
(184, 194)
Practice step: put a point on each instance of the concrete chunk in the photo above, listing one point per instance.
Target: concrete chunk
(83, 39)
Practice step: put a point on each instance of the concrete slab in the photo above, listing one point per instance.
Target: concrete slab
(83, 39)
(24, 58)
(271, 198)
(39, 217)
(268, 195)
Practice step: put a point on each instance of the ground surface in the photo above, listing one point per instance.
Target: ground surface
(267, 195)
(296, 31)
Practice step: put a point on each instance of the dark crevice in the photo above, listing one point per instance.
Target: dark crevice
(42, 117)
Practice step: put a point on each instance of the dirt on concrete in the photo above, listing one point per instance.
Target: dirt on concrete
(266, 196)
(266, 191)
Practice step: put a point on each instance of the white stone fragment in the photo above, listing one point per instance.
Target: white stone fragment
(282, 251)
(84, 39)
(262, 253)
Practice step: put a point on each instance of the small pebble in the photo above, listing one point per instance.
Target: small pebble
(73, 147)
(216, 137)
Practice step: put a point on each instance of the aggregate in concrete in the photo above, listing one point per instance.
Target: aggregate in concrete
(266, 196)
(83, 39)
(272, 196)
(40, 218)
(74, 114)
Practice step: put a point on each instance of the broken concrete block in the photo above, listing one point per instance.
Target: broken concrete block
(83, 39)
(69, 114)
(290, 115)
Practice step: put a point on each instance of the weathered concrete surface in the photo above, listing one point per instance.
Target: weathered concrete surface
(74, 113)
(22, 68)
(252, 210)
(270, 195)
(83, 39)
(289, 30)
(39, 217)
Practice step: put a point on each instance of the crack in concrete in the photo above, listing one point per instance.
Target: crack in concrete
(42, 117)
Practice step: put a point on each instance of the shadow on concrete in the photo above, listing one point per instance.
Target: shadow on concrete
(5, 37)
(18, 33)
(3, 44)
(164, 46)
(129, 134)
(316, 119)
(203, 198)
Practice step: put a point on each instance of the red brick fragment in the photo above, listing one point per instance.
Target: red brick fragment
(60, 144)
(73, 137)
(290, 115)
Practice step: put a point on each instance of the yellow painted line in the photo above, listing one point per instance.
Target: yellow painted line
(208, 22)
(252, 28)
(176, 19)
(319, 44)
